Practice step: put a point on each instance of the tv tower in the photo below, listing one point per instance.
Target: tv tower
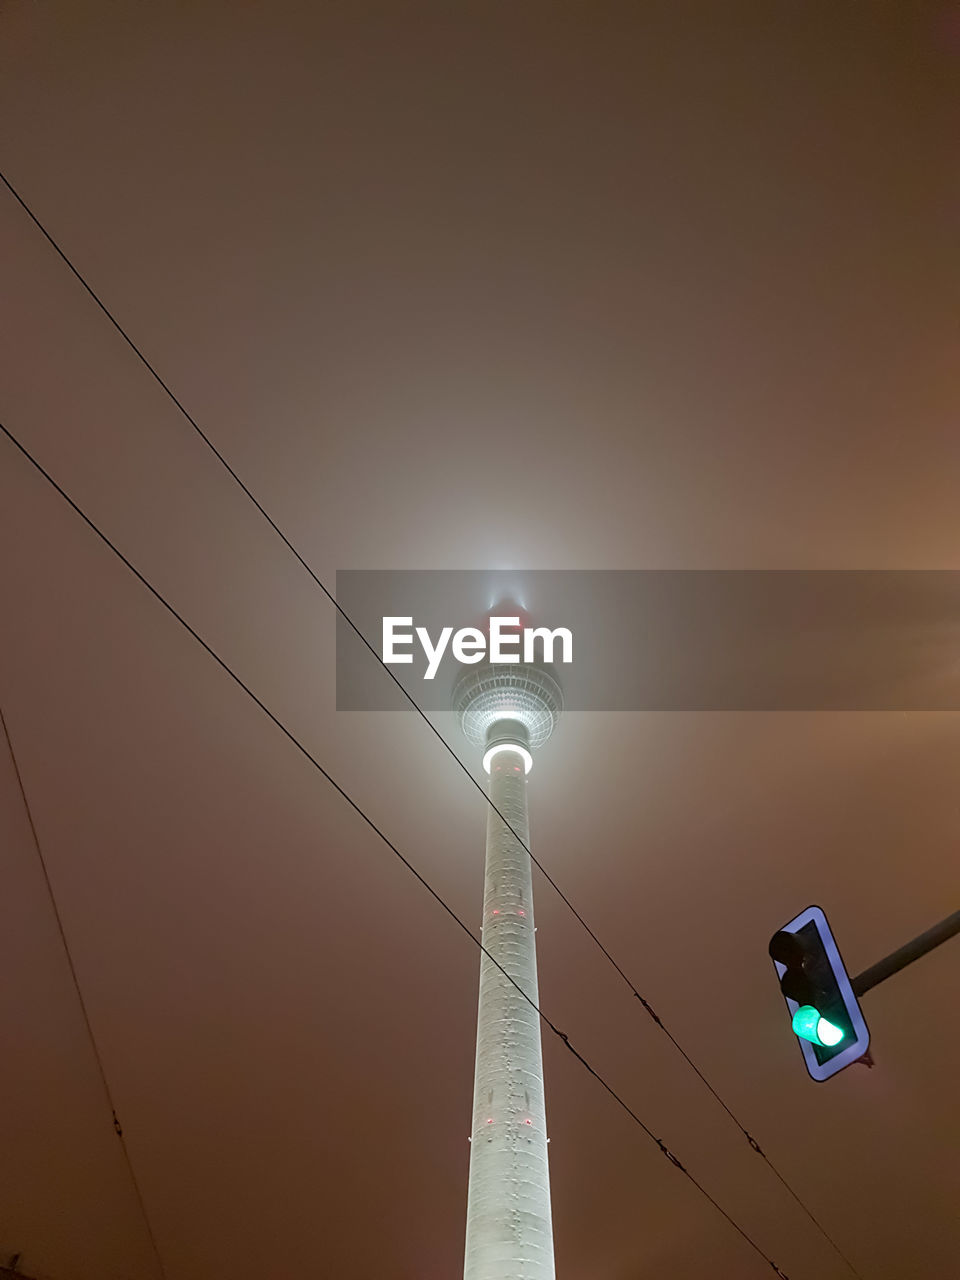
(508, 711)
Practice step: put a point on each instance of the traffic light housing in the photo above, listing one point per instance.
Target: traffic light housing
(824, 1012)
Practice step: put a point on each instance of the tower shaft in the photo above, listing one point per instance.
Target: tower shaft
(509, 1227)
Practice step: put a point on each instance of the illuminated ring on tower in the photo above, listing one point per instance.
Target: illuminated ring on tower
(508, 746)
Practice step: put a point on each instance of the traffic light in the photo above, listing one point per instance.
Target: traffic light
(824, 1012)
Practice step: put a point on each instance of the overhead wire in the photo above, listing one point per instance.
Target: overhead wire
(646, 1005)
(361, 813)
(85, 1015)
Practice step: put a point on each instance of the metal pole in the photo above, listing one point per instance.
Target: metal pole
(906, 954)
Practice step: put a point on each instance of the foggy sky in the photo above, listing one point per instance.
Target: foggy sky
(480, 286)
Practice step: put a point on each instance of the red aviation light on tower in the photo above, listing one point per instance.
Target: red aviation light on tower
(505, 608)
(517, 631)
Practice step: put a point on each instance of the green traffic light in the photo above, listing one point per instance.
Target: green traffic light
(809, 1025)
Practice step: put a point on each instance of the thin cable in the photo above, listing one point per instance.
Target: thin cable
(305, 752)
(83, 1004)
(754, 1145)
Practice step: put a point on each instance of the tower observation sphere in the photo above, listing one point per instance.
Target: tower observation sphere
(517, 698)
(508, 711)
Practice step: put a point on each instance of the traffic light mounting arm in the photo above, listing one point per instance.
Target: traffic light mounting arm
(906, 954)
